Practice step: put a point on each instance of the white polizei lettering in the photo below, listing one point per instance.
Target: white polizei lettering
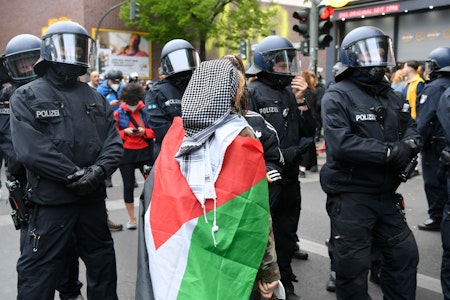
(267, 110)
(47, 113)
(365, 117)
(173, 102)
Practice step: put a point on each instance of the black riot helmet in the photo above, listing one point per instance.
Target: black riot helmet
(366, 47)
(275, 55)
(66, 42)
(178, 56)
(438, 61)
(21, 53)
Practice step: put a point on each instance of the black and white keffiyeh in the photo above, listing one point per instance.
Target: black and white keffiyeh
(210, 127)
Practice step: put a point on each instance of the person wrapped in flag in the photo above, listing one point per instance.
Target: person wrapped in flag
(205, 229)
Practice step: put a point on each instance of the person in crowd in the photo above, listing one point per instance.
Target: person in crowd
(437, 70)
(163, 102)
(148, 85)
(134, 77)
(207, 147)
(443, 114)
(137, 138)
(64, 134)
(94, 79)
(413, 85)
(309, 158)
(367, 128)
(132, 49)
(110, 88)
(398, 81)
(275, 63)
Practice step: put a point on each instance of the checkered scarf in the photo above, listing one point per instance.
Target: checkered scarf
(210, 126)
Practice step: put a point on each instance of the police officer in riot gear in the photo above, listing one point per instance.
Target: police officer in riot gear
(371, 139)
(163, 101)
(64, 133)
(278, 95)
(21, 53)
(437, 69)
(443, 114)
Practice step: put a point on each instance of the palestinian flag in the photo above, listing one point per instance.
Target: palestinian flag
(184, 263)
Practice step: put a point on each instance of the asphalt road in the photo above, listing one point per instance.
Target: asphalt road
(313, 231)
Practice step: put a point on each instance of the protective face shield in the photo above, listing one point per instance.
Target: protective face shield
(22, 52)
(179, 61)
(70, 48)
(438, 61)
(20, 66)
(282, 62)
(370, 52)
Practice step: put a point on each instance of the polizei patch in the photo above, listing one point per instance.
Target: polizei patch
(365, 117)
(45, 114)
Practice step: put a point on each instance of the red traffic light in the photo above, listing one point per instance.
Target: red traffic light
(326, 12)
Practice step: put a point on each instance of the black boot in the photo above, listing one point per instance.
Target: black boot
(331, 284)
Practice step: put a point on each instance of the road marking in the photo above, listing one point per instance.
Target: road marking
(423, 281)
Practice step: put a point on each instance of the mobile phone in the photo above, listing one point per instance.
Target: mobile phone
(135, 130)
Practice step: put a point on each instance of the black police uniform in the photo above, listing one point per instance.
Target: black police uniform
(163, 104)
(268, 137)
(56, 130)
(69, 285)
(443, 113)
(434, 141)
(279, 107)
(359, 120)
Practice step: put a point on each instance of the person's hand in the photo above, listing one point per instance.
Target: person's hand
(88, 182)
(114, 103)
(130, 131)
(299, 87)
(399, 154)
(273, 175)
(266, 288)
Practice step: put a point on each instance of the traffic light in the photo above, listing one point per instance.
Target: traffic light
(325, 25)
(134, 9)
(243, 50)
(303, 22)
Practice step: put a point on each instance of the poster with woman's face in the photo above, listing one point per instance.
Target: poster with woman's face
(125, 51)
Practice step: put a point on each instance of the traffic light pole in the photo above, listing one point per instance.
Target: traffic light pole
(314, 33)
(101, 20)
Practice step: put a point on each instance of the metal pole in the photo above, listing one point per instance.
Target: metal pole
(313, 32)
(101, 20)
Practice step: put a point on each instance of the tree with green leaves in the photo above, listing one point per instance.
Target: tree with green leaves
(223, 22)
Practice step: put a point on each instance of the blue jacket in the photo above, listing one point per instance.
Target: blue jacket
(109, 93)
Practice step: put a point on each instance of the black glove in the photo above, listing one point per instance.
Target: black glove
(88, 182)
(292, 155)
(400, 155)
(76, 175)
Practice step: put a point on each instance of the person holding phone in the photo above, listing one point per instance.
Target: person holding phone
(137, 138)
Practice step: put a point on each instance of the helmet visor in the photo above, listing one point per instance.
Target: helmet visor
(371, 52)
(70, 48)
(20, 66)
(180, 60)
(284, 62)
